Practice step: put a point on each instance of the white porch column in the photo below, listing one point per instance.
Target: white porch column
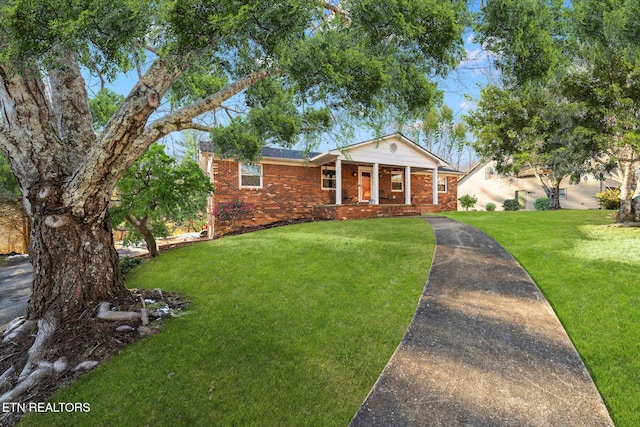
(407, 185)
(375, 192)
(338, 181)
(435, 185)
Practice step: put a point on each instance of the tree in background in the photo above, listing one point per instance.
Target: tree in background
(536, 130)
(593, 47)
(197, 61)
(608, 81)
(158, 190)
(441, 135)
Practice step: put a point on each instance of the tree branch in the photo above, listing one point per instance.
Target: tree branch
(116, 150)
(335, 9)
(182, 118)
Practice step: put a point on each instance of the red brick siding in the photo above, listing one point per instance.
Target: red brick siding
(291, 193)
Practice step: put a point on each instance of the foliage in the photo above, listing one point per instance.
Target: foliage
(232, 211)
(490, 207)
(157, 190)
(609, 198)
(127, 264)
(468, 201)
(592, 297)
(527, 36)
(599, 75)
(283, 329)
(9, 189)
(102, 107)
(533, 128)
(511, 205)
(541, 204)
(441, 135)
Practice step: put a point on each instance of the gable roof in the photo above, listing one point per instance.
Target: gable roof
(393, 150)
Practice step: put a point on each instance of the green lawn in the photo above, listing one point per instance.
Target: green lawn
(590, 275)
(289, 326)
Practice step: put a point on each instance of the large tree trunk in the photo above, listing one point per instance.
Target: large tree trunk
(74, 261)
(66, 172)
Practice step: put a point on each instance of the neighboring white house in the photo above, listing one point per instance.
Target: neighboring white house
(483, 182)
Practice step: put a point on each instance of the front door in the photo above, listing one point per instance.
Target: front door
(365, 184)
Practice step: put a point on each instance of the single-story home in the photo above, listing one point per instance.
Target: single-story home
(483, 182)
(388, 176)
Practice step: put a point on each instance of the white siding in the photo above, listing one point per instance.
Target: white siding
(495, 189)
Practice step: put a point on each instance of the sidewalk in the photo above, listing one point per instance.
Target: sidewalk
(484, 349)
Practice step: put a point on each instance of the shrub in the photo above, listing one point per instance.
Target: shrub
(609, 199)
(232, 211)
(127, 263)
(541, 204)
(468, 201)
(511, 205)
(490, 207)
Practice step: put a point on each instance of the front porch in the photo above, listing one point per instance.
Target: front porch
(366, 210)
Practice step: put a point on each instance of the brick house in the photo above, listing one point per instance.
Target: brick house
(389, 176)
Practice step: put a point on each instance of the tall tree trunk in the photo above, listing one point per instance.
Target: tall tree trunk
(74, 262)
(627, 212)
(141, 226)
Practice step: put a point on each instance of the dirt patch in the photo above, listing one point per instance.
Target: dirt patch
(84, 337)
(249, 229)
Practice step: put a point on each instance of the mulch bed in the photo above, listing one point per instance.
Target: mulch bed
(84, 337)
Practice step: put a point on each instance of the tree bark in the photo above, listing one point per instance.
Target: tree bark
(551, 189)
(628, 210)
(74, 261)
(141, 226)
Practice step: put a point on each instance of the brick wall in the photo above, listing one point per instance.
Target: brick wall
(293, 193)
(287, 193)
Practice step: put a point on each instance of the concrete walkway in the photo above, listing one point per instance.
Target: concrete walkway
(484, 349)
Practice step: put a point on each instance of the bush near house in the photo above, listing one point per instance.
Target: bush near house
(490, 207)
(511, 205)
(541, 204)
(468, 201)
(609, 199)
(232, 211)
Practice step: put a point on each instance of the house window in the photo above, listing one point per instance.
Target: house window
(397, 181)
(328, 177)
(442, 184)
(250, 176)
(562, 193)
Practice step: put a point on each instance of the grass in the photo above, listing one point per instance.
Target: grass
(288, 326)
(589, 273)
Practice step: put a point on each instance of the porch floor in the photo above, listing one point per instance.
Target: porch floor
(365, 210)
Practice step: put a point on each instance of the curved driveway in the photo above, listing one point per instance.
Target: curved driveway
(15, 288)
(484, 348)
